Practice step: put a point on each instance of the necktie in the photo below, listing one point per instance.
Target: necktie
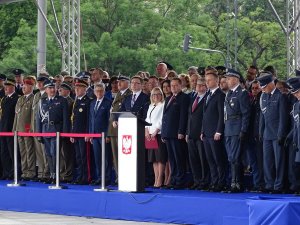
(96, 106)
(171, 100)
(208, 97)
(195, 104)
(50, 100)
(133, 100)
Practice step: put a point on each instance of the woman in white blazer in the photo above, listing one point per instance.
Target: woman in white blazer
(154, 116)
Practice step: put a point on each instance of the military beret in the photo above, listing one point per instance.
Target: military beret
(2, 77)
(233, 73)
(265, 78)
(29, 80)
(66, 86)
(17, 72)
(10, 81)
(49, 83)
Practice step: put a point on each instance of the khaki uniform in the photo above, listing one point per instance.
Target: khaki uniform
(43, 168)
(22, 123)
(113, 132)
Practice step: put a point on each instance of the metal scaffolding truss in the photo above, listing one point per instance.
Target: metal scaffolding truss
(291, 31)
(71, 36)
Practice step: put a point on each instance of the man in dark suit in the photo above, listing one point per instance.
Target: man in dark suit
(54, 117)
(273, 130)
(196, 150)
(237, 116)
(137, 102)
(79, 122)
(99, 119)
(213, 131)
(174, 125)
(7, 115)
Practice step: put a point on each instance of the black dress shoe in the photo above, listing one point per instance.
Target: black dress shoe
(276, 192)
(193, 187)
(178, 187)
(47, 181)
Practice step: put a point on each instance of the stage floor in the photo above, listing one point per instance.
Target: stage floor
(164, 206)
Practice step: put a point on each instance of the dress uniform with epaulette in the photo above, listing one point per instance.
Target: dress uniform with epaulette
(273, 130)
(22, 123)
(54, 117)
(79, 124)
(237, 115)
(41, 161)
(7, 115)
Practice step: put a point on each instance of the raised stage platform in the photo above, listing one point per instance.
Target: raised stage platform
(165, 206)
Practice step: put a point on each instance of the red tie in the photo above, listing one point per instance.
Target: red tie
(195, 104)
(171, 100)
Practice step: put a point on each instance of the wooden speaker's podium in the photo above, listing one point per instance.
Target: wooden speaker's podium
(131, 152)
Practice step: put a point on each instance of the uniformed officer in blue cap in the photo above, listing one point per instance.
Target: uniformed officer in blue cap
(292, 141)
(19, 80)
(79, 124)
(54, 117)
(237, 115)
(273, 130)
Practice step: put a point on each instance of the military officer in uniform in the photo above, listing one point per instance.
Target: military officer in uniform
(67, 155)
(7, 115)
(18, 80)
(124, 91)
(237, 115)
(79, 124)
(273, 130)
(41, 161)
(2, 79)
(22, 123)
(53, 117)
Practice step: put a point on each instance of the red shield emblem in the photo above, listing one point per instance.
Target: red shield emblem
(126, 144)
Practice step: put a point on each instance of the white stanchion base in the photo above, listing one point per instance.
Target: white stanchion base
(16, 185)
(57, 187)
(100, 189)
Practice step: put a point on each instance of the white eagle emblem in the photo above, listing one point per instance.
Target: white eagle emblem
(126, 144)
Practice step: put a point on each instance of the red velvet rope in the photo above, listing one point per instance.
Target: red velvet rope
(29, 134)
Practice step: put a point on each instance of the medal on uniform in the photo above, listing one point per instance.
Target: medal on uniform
(80, 110)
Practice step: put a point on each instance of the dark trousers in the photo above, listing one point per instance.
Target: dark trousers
(176, 158)
(198, 162)
(7, 156)
(67, 159)
(97, 148)
(234, 153)
(274, 160)
(254, 153)
(216, 159)
(293, 168)
(50, 150)
(81, 160)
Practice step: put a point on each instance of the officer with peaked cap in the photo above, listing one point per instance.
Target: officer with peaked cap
(54, 117)
(237, 115)
(22, 123)
(7, 115)
(41, 161)
(19, 80)
(273, 130)
(79, 124)
(67, 151)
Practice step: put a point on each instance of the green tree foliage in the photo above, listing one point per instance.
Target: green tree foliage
(126, 36)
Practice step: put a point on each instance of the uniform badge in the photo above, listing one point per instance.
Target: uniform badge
(80, 110)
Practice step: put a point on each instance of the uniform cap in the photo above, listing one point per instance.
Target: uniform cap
(265, 78)
(233, 73)
(10, 81)
(17, 72)
(49, 83)
(66, 86)
(294, 84)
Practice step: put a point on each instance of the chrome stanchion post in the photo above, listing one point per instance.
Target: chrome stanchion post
(57, 186)
(15, 183)
(102, 164)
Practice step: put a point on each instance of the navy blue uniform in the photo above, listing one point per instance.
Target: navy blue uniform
(80, 122)
(98, 123)
(236, 114)
(174, 122)
(53, 117)
(273, 129)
